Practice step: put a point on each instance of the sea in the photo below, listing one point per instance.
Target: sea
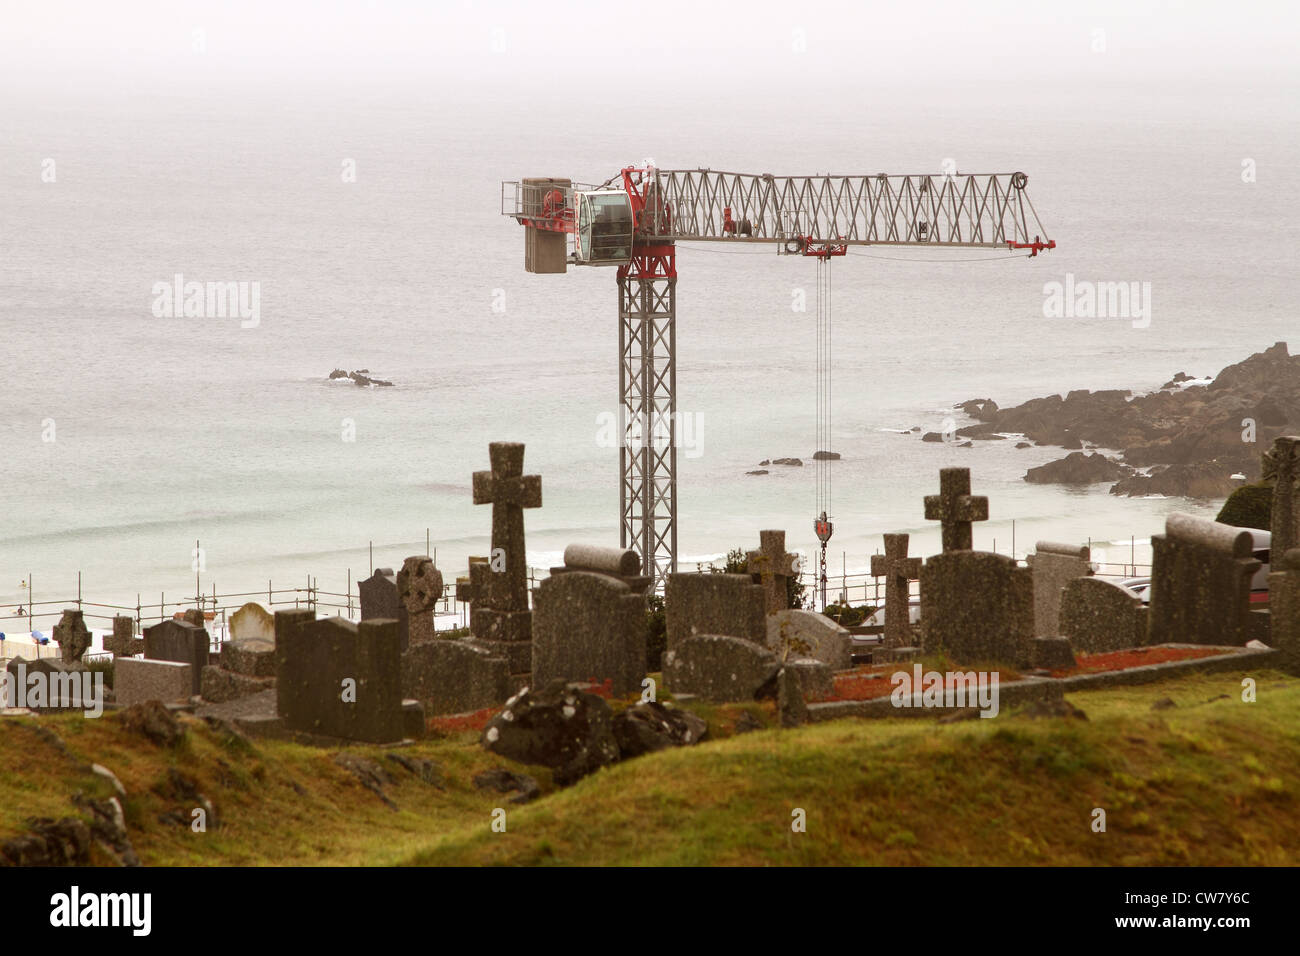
(144, 456)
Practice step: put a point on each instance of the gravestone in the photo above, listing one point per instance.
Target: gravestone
(719, 668)
(465, 590)
(1284, 606)
(795, 633)
(64, 686)
(339, 679)
(182, 642)
(1054, 565)
(136, 681)
(956, 508)
(123, 642)
(194, 616)
(1098, 616)
(71, 636)
(1200, 583)
(978, 607)
(454, 677)
(500, 619)
(897, 569)
(252, 620)
(707, 603)
(1282, 465)
(623, 564)
(772, 567)
(588, 623)
(379, 599)
(419, 588)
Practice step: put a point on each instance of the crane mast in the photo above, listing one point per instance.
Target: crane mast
(633, 222)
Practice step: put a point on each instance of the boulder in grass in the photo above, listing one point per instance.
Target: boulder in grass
(649, 726)
(557, 726)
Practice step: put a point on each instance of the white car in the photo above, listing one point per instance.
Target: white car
(1260, 542)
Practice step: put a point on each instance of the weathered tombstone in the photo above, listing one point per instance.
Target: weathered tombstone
(1282, 464)
(956, 507)
(453, 677)
(194, 616)
(379, 599)
(465, 590)
(71, 636)
(978, 607)
(1284, 606)
(718, 667)
(136, 681)
(501, 620)
(182, 642)
(123, 642)
(252, 620)
(65, 686)
(588, 623)
(1100, 616)
(1053, 653)
(337, 678)
(772, 567)
(1200, 583)
(795, 633)
(706, 603)
(419, 588)
(1054, 565)
(624, 564)
(897, 569)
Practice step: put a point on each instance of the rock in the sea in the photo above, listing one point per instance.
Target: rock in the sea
(360, 377)
(1183, 425)
(757, 471)
(558, 726)
(826, 456)
(788, 461)
(1196, 480)
(1078, 468)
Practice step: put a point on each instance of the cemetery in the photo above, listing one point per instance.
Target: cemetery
(410, 735)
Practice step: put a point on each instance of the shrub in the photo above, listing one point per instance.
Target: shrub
(1250, 506)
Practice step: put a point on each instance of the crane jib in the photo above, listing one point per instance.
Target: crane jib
(635, 219)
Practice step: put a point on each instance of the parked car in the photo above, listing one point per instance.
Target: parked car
(1260, 544)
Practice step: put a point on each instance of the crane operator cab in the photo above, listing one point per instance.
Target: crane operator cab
(604, 234)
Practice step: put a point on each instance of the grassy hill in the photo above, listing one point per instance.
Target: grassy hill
(1212, 780)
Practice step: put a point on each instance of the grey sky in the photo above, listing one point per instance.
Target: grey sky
(921, 43)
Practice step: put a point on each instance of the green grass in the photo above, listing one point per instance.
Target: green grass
(1211, 781)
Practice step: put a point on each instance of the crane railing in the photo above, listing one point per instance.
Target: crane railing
(957, 209)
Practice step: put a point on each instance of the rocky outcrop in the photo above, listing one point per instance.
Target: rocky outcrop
(360, 377)
(1199, 480)
(1221, 426)
(1078, 468)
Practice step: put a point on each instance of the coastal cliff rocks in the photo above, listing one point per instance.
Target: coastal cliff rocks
(1193, 436)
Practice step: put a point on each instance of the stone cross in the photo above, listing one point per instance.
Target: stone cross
(419, 588)
(897, 569)
(773, 566)
(72, 636)
(1282, 464)
(509, 491)
(956, 507)
(467, 586)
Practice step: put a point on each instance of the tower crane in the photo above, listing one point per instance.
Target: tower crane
(633, 222)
